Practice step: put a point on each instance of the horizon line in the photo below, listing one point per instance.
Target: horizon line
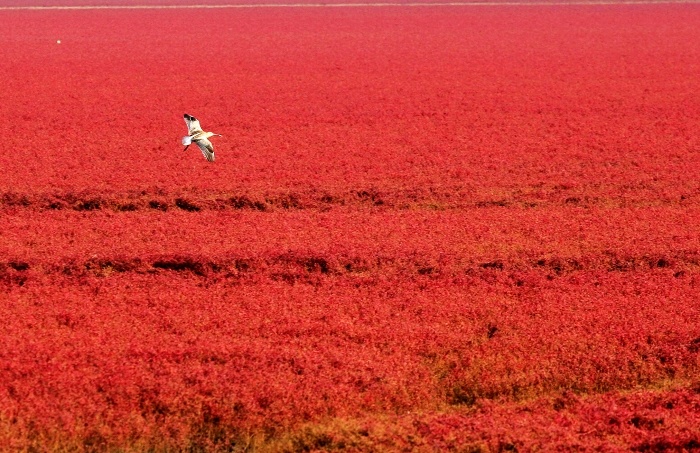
(350, 5)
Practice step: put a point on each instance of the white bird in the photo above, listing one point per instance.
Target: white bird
(199, 137)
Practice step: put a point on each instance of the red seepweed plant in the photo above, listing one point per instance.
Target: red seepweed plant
(427, 228)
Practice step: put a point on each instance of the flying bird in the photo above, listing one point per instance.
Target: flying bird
(199, 137)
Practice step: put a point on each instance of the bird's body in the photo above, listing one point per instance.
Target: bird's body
(199, 137)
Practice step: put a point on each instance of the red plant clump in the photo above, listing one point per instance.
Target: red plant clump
(428, 228)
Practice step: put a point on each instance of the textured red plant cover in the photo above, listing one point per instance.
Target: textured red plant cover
(427, 228)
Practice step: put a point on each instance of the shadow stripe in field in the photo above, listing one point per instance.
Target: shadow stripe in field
(347, 5)
(458, 199)
(292, 267)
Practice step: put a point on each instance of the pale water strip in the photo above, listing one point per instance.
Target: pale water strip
(350, 5)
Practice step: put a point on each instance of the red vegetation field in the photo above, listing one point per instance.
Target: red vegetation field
(428, 228)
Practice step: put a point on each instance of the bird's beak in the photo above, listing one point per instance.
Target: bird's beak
(186, 147)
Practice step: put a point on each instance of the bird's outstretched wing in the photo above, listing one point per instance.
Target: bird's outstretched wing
(207, 148)
(193, 126)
